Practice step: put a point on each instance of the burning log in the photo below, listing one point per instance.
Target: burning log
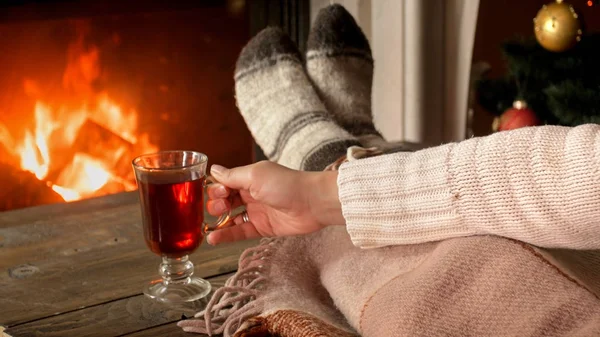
(20, 189)
(102, 144)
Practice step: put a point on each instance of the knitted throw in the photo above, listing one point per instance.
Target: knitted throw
(323, 285)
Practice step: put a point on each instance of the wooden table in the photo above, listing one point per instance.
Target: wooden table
(77, 269)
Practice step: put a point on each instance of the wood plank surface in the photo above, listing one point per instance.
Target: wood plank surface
(165, 330)
(48, 212)
(116, 318)
(61, 258)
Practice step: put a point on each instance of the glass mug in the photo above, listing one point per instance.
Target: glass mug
(171, 188)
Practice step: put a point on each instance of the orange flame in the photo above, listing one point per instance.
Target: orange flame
(34, 153)
(84, 175)
(52, 148)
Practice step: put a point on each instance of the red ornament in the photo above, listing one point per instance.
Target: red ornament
(516, 117)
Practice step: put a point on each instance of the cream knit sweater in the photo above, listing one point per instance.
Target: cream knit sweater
(539, 185)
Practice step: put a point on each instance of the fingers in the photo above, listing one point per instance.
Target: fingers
(239, 232)
(216, 207)
(216, 191)
(238, 220)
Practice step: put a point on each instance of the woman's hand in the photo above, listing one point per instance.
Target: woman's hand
(279, 201)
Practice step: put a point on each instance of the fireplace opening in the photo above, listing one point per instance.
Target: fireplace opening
(88, 85)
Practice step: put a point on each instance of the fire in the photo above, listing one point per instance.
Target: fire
(34, 153)
(84, 175)
(84, 151)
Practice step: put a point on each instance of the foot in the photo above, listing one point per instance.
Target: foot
(281, 108)
(340, 66)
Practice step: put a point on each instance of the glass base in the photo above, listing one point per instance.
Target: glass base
(193, 289)
(178, 283)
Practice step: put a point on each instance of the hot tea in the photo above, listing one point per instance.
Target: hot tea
(171, 186)
(173, 214)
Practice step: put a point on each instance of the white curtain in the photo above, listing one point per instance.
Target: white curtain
(423, 53)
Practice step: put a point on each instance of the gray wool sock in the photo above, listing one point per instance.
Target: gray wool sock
(340, 66)
(281, 108)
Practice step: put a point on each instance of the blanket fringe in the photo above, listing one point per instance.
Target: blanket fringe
(239, 299)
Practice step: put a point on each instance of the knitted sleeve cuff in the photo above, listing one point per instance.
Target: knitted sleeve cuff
(401, 198)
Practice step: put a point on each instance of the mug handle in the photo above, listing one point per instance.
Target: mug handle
(223, 220)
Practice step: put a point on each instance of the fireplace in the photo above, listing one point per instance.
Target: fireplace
(88, 85)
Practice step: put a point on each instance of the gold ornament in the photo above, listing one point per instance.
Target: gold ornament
(557, 27)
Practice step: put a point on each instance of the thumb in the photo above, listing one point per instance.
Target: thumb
(236, 178)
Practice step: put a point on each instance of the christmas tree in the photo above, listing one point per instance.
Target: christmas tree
(559, 88)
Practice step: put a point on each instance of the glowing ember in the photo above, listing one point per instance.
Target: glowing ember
(79, 152)
(66, 194)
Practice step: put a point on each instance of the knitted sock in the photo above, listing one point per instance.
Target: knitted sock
(281, 108)
(340, 65)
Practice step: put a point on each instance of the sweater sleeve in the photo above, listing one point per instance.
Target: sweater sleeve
(539, 185)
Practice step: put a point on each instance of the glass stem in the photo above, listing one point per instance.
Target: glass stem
(176, 270)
